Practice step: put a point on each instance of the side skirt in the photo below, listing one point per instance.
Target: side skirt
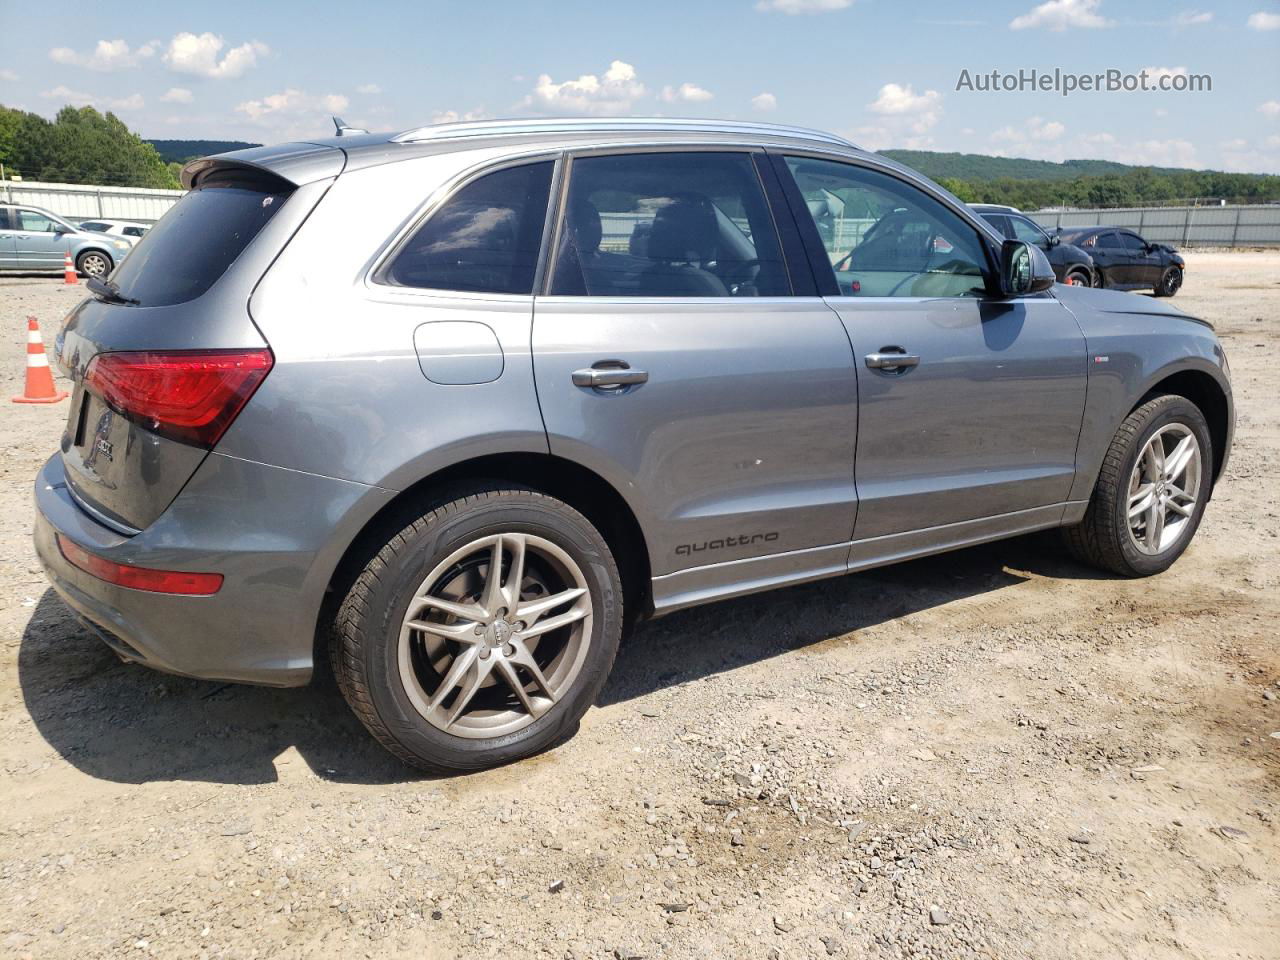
(720, 581)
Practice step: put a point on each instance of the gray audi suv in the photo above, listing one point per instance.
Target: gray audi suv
(454, 407)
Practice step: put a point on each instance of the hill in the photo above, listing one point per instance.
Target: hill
(180, 151)
(977, 166)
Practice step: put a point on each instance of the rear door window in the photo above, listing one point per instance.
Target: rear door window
(193, 244)
(687, 224)
(483, 239)
(1001, 224)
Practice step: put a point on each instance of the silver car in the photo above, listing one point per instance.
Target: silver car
(452, 408)
(34, 240)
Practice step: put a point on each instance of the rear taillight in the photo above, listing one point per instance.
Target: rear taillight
(190, 395)
(139, 578)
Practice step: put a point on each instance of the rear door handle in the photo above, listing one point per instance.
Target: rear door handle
(891, 358)
(609, 375)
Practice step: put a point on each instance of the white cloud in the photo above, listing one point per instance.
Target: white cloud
(1264, 21)
(1062, 15)
(687, 92)
(764, 102)
(77, 99)
(177, 95)
(108, 55)
(292, 103)
(615, 92)
(1035, 130)
(897, 99)
(1155, 73)
(452, 116)
(793, 7)
(1192, 18)
(1271, 108)
(368, 88)
(8, 76)
(189, 53)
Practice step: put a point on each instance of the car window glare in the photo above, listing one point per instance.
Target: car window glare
(483, 239)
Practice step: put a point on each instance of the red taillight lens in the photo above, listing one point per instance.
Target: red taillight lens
(190, 396)
(139, 578)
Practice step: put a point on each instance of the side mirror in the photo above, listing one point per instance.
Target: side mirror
(59, 229)
(1055, 240)
(1024, 269)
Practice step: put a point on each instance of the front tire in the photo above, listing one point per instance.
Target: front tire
(481, 632)
(1170, 282)
(1151, 492)
(93, 263)
(1079, 278)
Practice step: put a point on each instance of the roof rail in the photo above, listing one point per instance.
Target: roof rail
(503, 128)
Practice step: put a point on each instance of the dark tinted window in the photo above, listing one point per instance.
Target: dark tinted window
(1132, 243)
(134, 231)
(668, 225)
(193, 244)
(886, 238)
(484, 239)
(1110, 239)
(93, 225)
(1001, 223)
(1027, 231)
(4, 219)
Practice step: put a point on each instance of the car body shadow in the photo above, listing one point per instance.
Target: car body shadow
(129, 724)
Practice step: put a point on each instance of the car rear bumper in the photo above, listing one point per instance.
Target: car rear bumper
(275, 535)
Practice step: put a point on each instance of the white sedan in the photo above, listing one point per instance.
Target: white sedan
(128, 229)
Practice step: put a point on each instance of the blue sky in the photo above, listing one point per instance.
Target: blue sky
(884, 73)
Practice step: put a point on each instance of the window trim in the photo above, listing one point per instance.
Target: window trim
(543, 291)
(436, 200)
(819, 261)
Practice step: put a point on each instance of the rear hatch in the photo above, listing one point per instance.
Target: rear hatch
(164, 361)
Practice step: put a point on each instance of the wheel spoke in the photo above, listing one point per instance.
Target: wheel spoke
(463, 611)
(460, 632)
(1180, 458)
(1181, 501)
(509, 673)
(472, 680)
(491, 600)
(1155, 458)
(461, 664)
(554, 623)
(1140, 499)
(1155, 524)
(515, 575)
(531, 611)
(524, 658)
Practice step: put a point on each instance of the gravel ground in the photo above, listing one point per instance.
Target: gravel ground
(993, 753)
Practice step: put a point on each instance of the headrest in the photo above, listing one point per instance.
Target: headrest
(584, 220)
(684, 230)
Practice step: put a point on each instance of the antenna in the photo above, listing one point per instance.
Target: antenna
(342, 130)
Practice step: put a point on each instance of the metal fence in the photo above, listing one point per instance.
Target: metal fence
(75, 202)
(1254, 225)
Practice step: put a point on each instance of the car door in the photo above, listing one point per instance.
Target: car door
(969, 405)
(673, 358)
(1144, 264)
(1111, 257)
(40, 246)
(8, 241)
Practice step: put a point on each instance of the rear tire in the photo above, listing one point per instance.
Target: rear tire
(1079, 278)
(1139, 519)
(453, 671)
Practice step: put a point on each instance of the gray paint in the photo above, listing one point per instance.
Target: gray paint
(760, 451)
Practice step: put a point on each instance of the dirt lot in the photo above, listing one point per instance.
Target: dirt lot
(994, 753)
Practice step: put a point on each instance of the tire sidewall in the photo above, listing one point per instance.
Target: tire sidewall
(1178, 410)
(426, 546)
(1170, 282)
(80, 263)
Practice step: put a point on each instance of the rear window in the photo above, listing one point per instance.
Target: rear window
(186, 252)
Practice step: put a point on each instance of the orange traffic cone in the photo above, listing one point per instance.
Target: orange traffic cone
(39, 376)
(68, 270)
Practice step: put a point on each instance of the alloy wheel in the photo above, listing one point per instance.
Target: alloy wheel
(94, 265)
(1164, 488)
(495, 635)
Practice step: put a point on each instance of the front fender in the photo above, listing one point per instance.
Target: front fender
(1133, 346)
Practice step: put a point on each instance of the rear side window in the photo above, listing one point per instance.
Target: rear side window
(1001, 224)
(668, 225)
(193, 244)
(484, 239)
(93, 225)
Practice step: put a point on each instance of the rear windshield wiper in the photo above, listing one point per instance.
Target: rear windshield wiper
(108, 291)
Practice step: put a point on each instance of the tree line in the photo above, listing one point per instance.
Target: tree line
(80, 145)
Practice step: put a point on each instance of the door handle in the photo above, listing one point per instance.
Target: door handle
(608, 375)
(891, 358)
